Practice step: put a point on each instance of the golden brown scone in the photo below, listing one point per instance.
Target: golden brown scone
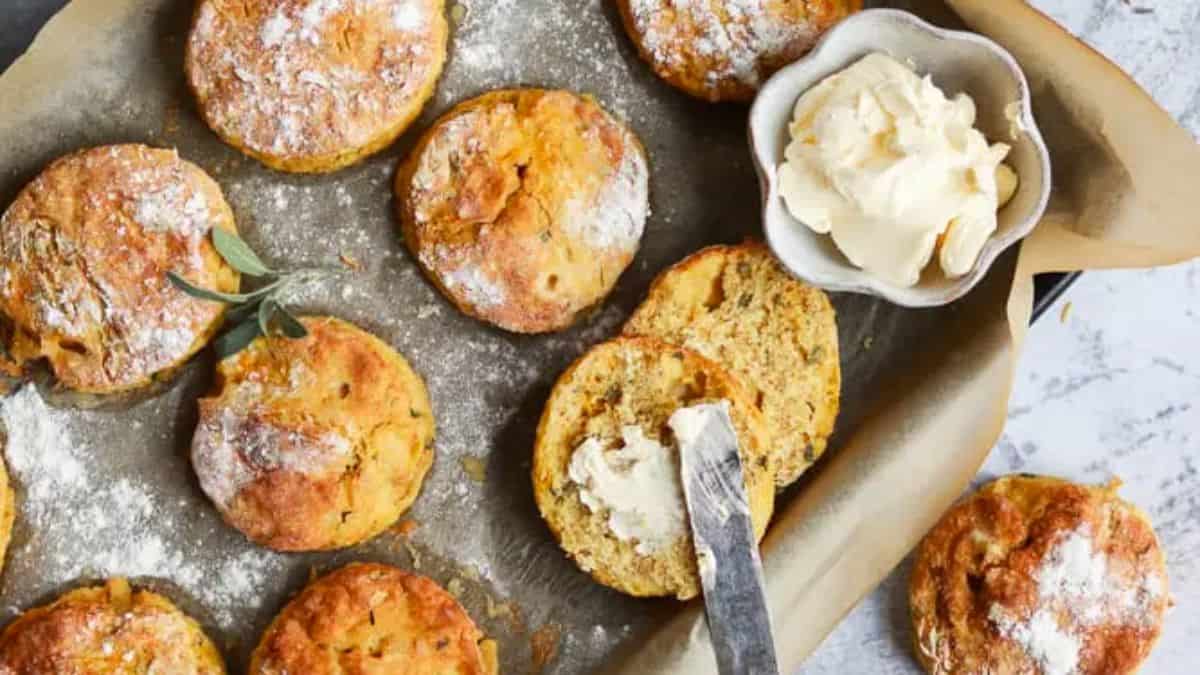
(84, 252)
(640, 382)
(107, 630)
(722, 50)
(372, 619)
(1038, 575)
(316, 443)
(739, 307)
(524, 206)
(314, 85)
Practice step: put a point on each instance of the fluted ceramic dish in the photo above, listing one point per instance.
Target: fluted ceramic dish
(958, 62)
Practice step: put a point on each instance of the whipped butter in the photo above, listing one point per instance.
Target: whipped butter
(638, 484)
(883, 162)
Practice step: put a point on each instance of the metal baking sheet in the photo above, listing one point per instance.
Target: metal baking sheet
(108, 490)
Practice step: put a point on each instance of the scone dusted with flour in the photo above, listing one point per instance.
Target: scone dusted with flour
(606, 463)
(738, 306)
(107, 629)
(314, 443)
(314, 85)
(84, 254)
(722, 50)
(1039, 575)
(372, 618)
(525, 206)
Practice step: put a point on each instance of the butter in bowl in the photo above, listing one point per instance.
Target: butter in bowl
(898, 159)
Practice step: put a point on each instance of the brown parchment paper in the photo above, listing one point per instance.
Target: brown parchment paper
(924, 391)
(1124, 177)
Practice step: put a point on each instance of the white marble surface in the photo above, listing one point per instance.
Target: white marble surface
(1112, 390)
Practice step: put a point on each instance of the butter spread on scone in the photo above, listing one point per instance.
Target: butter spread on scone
(525, 206)
(314, 85)
(373, 618)
(641, 383)
(893, 170)
(315, 443)
(721, 50)
(107, 629)
(1036, 574)
(84, 252)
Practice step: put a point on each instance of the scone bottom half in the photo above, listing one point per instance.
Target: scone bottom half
(1035, 573)
(317, 443)
(145, 212)
(370, 617)
(524, 206)
(639, 383)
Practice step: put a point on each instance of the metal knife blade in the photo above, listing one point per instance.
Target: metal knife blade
(726, 549)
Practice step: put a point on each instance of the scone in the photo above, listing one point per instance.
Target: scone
(314, 85)
(722, 50)
(107, 629)
(623, 393)
(84, 253)
(739, 307)
(1038, 575)
(316, 443)
(524, 206)
(372, 618)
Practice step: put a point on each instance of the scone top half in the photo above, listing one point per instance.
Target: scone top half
(1035, 574)
(84, 254)
(620, 391)
(316, 443)
(525, 206)
(373, 618)
(738, 306)
(107, 629)
(314, 85)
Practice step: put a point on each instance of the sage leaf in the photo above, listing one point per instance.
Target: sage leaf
(238, 253)
(237, 338)
(217, 296)
(266, 310)
(290, 325)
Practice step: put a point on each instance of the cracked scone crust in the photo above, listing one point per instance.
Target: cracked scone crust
(524, 206)
(317, 443)
(738, 306)
(636, 381)
(314, 85)
(1038, 575)
(110, 629)
(84, 252)
(372, 618)
(722, 50)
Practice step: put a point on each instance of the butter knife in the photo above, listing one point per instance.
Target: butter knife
(726, 548)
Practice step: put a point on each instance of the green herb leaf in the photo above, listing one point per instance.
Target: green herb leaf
(238, 313)
(216, 296)
(237, 338)
(238, 253)
(266, 310)
(290, 325)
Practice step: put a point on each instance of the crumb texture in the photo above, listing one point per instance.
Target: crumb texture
(1039, 575)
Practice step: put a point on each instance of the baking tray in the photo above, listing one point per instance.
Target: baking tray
(109, 491)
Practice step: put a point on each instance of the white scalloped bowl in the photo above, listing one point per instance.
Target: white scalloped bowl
(958, 62)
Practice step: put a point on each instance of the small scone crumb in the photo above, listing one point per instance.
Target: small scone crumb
(107, 629)
(373, 618)
(636, 383)
(84, 254)
(524, 206)
(1035, 574)
(316, 443)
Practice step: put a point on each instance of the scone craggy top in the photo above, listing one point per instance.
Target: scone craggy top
(84, 250)
(372, 618)
(1039, 575)
(110, 629)
(723, 49)
(313, 78)
(314, 443)
(525, 206)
